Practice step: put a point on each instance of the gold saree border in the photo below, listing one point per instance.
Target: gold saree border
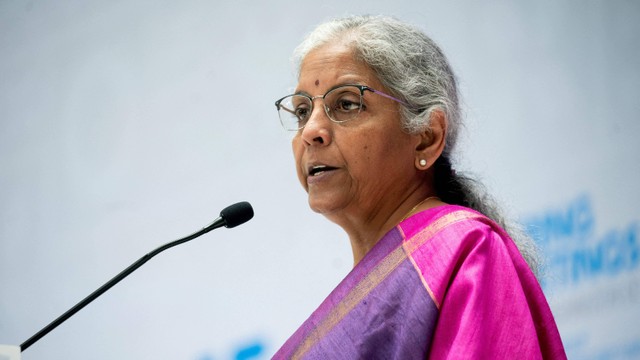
(378, 274)
(359, 292)
(426, 234)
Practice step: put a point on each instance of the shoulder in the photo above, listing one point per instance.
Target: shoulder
(445, 241)
(452, 225)
(490, 303)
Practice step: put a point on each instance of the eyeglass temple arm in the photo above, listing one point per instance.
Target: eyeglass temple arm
(385, 95)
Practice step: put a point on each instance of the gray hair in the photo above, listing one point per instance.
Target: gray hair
(413, 68)
(408, 63)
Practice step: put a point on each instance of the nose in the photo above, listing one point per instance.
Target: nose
(317, 130)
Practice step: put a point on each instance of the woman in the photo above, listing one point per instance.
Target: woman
(376, 116)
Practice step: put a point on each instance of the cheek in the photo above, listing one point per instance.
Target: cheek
(377, 153)
(359, 155)
(298, 149)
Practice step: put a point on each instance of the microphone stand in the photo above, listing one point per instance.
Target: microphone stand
(108, 285)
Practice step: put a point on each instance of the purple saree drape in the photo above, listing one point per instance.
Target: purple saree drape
(444, 283)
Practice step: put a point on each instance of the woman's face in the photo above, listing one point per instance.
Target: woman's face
(366, 165)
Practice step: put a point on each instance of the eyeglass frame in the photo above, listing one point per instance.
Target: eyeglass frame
(362, 89)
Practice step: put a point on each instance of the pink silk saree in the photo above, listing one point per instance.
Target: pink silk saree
(446, 283)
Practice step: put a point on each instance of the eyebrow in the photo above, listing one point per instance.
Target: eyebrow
(301, 93)
(332, 88)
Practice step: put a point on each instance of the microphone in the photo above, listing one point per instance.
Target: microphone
(230, 217)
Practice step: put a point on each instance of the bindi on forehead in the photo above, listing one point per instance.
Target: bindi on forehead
(317, 82)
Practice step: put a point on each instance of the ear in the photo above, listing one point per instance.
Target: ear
(431, 141)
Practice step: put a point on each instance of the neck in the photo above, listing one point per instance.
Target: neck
(366, 229)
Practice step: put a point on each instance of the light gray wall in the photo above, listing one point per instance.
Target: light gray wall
(124, 125)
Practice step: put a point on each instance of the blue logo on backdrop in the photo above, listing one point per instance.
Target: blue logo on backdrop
(573, 250)
(588, 271)
(253, 350)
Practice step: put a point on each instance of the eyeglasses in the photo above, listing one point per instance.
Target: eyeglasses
(342, 103)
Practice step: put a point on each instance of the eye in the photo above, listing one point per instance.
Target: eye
(302, 113)
(347, 105)
(347, 102)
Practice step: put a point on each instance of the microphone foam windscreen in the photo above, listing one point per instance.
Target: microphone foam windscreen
(237, 214)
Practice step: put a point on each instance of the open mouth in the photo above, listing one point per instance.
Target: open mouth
(319, 169)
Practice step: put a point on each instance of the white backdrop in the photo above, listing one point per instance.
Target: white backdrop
(127, 124)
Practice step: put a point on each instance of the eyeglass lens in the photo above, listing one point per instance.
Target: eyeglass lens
(341, 104)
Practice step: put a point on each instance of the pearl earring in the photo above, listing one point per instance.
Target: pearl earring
(423, 162)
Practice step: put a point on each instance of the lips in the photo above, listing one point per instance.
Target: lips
(316, 170)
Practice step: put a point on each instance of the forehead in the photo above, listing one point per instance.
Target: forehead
(331, 65)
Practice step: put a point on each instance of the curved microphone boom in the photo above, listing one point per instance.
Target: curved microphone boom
(230, 217)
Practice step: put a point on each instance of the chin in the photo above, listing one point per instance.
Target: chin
(331, 210)
(316, 207)
(322, 206)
